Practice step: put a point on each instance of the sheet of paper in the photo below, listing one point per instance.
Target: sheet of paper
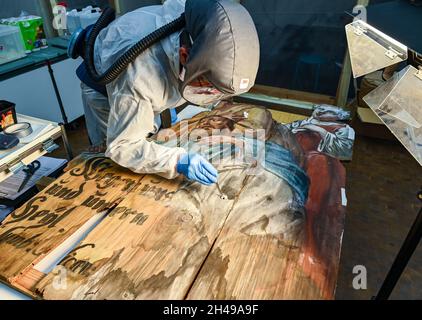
(9, 187)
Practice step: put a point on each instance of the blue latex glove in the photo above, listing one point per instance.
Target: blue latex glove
(196, 168)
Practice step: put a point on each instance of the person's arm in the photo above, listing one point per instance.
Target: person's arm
(322, 132)
(338, 144)
(131, 120)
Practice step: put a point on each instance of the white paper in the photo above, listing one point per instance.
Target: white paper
(9, 187)
(7, 293)
(343, 197)
(47, 264)
(351, 135)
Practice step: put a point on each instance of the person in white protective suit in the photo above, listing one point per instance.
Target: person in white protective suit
(214, 57)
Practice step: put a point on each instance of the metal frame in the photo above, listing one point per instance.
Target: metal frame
(57, 92)
(346, 72)
(66, 143)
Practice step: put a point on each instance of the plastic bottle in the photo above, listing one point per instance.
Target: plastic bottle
(73, 20)
(89, 17)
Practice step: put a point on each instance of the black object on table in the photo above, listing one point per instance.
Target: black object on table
(31, 192)
(8, 142)
(29, 171)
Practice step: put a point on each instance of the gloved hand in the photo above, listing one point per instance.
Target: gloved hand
(196, 168)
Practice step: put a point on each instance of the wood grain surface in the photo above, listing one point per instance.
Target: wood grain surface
(258, 235)
(43, 223)
(246, 237)
(151, 246)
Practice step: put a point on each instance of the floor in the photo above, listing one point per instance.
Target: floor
(382, 183)
(383, 180)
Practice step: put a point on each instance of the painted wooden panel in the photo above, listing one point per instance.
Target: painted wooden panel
(150, 247)
(256, 255)
(273, 252)
(268, 232)
(33, 231)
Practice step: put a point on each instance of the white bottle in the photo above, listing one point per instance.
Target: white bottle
(89, 17)
(73, 20)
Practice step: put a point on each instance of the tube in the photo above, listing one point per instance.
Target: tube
(129, 56)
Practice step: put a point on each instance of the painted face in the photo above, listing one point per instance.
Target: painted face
(216, 122)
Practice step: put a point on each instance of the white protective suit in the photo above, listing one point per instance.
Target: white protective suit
(146, 88)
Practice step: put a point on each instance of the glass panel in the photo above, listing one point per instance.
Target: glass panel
(14, 8)
(302, 42)
(80, 4)
(398, 104)
(371, 50)
(401, 20)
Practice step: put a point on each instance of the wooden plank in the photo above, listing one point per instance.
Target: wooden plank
(266, 252)
(256, 244)
(178, 239)
(256, 255)
(286, 117)
(366, 115)
(151, 246)
(30, 233)
(271, 249)
(293, 94)
(279, 104)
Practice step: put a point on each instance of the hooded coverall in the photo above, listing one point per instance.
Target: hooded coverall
(134, 101)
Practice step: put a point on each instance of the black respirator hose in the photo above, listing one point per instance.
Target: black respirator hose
(129, 56)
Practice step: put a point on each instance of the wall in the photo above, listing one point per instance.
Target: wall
(298, 36)
(34, 95)
(12, 8)
(129, 5)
